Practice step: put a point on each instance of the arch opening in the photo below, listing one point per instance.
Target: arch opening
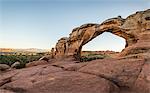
(103, 46)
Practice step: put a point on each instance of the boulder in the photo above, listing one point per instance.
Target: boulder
(15, 65)
(4, 67)
(45, 58)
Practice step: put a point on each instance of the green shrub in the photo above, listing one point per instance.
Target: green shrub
(23, 59)
(91, 57)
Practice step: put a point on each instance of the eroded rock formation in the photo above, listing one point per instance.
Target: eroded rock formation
(135, 29)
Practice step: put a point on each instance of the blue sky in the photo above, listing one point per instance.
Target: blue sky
(40, 23)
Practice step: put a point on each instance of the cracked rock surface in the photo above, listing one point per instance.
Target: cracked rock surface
(99, 76)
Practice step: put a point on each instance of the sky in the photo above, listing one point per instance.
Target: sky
(40, 23)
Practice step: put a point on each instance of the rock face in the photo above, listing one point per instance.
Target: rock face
(135, 29)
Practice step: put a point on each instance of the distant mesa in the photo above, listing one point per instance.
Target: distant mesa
(5, 51)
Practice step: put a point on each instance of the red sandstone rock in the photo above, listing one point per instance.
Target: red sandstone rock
(5, 91)
(4, 67)
(45, 79)
(35, 63)
(73, 82)
(21, 80)
(142, 84)
(134, 29)
(123, 72)
(70, 66)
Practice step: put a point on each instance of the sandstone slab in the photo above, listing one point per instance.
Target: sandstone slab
(123, 72)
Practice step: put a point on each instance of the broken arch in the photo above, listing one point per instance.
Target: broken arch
(72, 45)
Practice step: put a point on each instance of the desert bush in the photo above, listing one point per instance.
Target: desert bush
(23, 59)
(91, 57)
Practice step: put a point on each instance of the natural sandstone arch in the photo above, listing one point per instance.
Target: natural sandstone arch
(80, 36)
(132, 29)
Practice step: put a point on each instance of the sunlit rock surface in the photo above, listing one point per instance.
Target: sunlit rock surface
(135, 29)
